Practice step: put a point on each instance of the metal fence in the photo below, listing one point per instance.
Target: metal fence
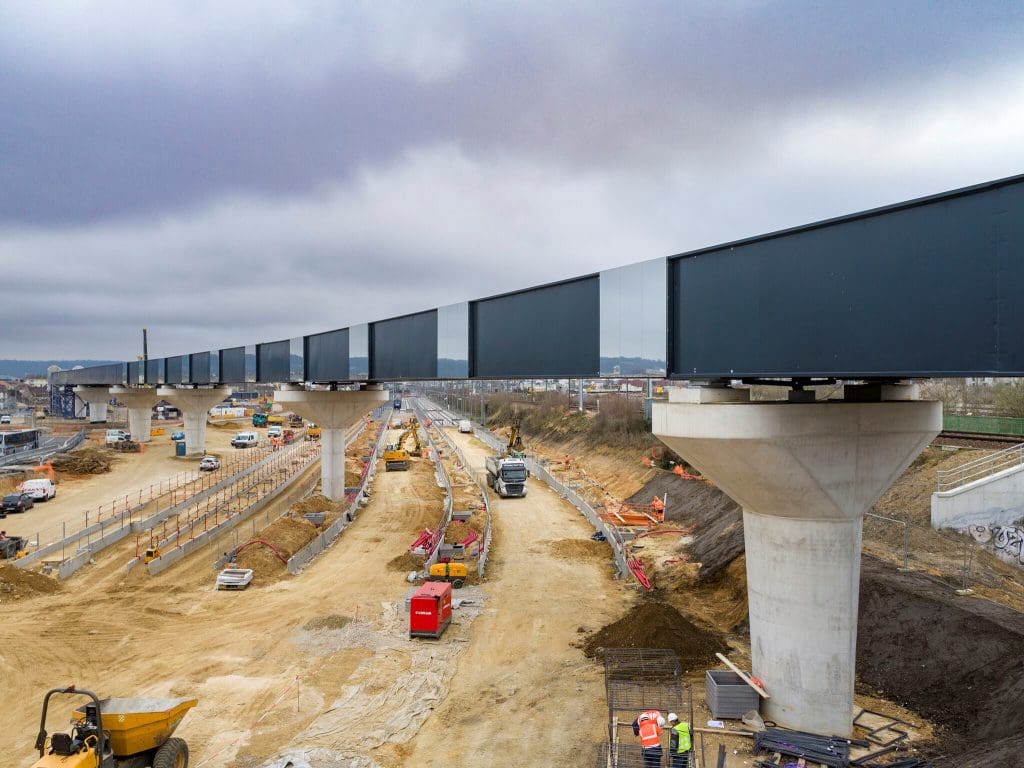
(944, 556)
(1008, 458)
(165, 496)
(983, 425)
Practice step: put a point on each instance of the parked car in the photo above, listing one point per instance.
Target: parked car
(15, 502)
(39, 490)
(177, 436)
(5, 419)
(115, 436)
(245, 440)
(275, 430)
(466, 426)
(209, 464)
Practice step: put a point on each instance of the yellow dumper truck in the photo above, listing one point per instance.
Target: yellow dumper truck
(115, 733)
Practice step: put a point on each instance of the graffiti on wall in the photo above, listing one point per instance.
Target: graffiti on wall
(1007, 541)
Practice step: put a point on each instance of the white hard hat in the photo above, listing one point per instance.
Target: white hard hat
(673, 717)
(661, 721)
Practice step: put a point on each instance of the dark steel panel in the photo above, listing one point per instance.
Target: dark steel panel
(232, 365)
(273, 361)
(199, 368)
(155, 371)
(404, 347)
(115, 374)
(136, 373)
(174, 371)
(929, 288)
(327, 356)
(549, 331)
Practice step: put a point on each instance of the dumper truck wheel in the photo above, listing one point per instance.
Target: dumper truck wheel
(457, 583)
(173, 754)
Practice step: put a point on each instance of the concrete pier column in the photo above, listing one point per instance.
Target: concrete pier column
(140, 402)
(804, 473)
(334, 412)
(97, 398)
(195, 404)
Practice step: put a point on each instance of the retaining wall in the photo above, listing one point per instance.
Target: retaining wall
(994, 500)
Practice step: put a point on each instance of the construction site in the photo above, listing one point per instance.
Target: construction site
(603, 582)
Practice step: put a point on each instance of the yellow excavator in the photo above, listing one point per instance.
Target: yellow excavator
(115, 733)
(515, 445)
(395, 455)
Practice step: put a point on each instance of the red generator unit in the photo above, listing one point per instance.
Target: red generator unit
(430, 609)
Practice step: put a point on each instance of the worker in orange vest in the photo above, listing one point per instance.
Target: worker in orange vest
(647, 727)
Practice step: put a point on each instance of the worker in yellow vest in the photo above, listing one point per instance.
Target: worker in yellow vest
(680, 743)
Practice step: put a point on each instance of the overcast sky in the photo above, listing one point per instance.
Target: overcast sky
(234, 172)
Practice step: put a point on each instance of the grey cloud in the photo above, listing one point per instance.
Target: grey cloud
(585, 87)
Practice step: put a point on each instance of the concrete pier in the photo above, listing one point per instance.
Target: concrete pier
(140, 402)
(805, 473)
(97, 398)
(334, 412)
(195, 404)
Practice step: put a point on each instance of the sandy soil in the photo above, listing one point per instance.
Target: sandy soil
(240, 653)
(521, 685)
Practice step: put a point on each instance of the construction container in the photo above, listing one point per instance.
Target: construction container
(430, 609)
(179, 448)
(139, 725)
(728, 696)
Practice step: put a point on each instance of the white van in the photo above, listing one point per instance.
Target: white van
(275, 430)
(39, 490)
(245, 440)
(115, 436)
(466, 426)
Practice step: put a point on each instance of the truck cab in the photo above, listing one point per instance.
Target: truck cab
(259, 419)
(507, 475)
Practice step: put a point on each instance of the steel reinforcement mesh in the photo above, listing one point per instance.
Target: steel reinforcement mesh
(636, 679)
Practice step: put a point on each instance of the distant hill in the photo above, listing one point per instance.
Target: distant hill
(18, 369)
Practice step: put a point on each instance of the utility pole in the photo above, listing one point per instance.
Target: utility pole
(145, 345)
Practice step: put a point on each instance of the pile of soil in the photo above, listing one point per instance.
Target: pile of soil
(84, 461)
(353, 478)
(405, 563)
(652, 624)
(331, 621)
(717, 519)
(580, 549)
(315, 503)
(16, 584)
(288, 535)
(958, 661)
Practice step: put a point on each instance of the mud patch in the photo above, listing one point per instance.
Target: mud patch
(658, 625)
(16, 584)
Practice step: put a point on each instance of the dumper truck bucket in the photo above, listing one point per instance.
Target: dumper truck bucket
(139, 725)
